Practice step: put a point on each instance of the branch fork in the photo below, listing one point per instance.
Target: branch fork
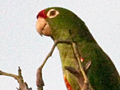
(22, 85)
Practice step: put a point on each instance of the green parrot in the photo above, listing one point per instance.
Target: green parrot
(62, 24)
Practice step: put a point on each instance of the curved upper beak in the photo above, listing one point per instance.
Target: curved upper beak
(43, 27)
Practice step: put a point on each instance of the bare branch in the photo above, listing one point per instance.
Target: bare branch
(83, 80)
(79, 62)
(86, 85)
(22, 85)
(39, 80)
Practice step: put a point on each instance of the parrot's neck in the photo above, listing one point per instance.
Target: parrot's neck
(75, 35)
(77, 38)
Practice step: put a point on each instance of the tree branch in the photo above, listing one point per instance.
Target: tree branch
(39, 79)
(85, 86)
(22, 85)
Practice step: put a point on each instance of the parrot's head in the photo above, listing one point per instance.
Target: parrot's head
(60, 23)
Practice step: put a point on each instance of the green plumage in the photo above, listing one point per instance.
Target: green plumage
(102, 74)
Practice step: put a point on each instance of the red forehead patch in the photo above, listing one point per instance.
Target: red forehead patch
(42, 14)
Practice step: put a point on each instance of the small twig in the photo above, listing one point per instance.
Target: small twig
(39, 81)
(77, 74)
(8, 74)
(51, 51)
(79, 62)
(87, 66)
(86, 85)
(72, 70)
(22, 85)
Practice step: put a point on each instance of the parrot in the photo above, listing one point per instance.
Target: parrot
(62, 24)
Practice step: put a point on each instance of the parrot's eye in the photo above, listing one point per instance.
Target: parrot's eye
(52, 13)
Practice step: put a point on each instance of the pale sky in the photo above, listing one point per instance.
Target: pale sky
(21, 45)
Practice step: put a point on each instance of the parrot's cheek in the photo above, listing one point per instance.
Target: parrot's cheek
(43, 27)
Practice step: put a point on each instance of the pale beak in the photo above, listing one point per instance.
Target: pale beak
(43, 27)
